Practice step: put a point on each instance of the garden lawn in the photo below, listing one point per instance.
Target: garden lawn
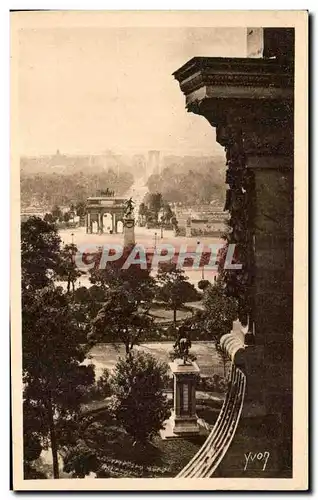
(120, 457)
(106, 355)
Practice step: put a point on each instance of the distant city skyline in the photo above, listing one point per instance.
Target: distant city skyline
(132, 153)
(86, 90)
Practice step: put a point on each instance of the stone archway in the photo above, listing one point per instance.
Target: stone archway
(120, 226)
(107, 222)
(107, 211)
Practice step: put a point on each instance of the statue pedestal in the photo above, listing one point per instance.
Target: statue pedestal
(129, 232)
(183, 421)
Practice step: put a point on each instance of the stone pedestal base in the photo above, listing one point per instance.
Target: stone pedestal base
(188, 430)
(185, 425)
(129, 232)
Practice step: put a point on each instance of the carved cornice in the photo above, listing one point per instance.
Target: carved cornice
(225, 73)
(254, 96)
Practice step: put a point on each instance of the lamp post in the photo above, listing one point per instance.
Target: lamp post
(155, 240)
(72, 236)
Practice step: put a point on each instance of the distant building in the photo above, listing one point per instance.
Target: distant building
(139, 165)
(153, 162)
(205, 220)
(31, 212)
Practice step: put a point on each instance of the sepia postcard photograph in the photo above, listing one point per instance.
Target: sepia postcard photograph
(159, 330)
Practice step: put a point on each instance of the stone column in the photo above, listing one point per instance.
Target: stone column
(250, 103)
(273, 280)
(88, 223)
(261, 135)
(100, 223)
(129, 232)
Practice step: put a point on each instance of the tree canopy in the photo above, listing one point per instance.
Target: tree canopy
(53, 374)
(219, 311)
(174, 288)
(139, 402)
(120, 320)
(51, 188)
(40, 252)
(68, 270)
(134, 281)
(201, 183)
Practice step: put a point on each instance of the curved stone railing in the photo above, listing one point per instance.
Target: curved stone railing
(206, 461)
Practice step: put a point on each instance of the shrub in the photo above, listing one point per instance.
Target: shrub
(103, 386)
(203, 284)
(216, 383)
(139, 402)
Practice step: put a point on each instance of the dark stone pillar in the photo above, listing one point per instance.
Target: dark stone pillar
(250, 103)
(88, 223)
(100, 223)
(114, 223)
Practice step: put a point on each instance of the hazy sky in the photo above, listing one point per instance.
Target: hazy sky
(86, 90)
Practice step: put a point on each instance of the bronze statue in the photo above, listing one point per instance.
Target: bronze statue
(183, 344)
(129, 207)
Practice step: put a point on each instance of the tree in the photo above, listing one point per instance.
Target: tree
(167, 213)
(91, 299)
(203, 284)
(85, 304)
(72, 211)
(139, 402)
(219, 311)
(66, 217)
(49, 218)
(154, 203)
(143, 212)
(53, 375)
(216, 320)
(40, 248)
(80, 209)
(174, 288)
(62, 189)
(80, 460)
(120, 320)
(137, 282)
(32, 445)
(190, 181)
(174, 222)
(68, 270)
(56, 212)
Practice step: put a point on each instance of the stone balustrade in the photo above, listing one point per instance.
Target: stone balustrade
(233, 345)
(206, 461)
